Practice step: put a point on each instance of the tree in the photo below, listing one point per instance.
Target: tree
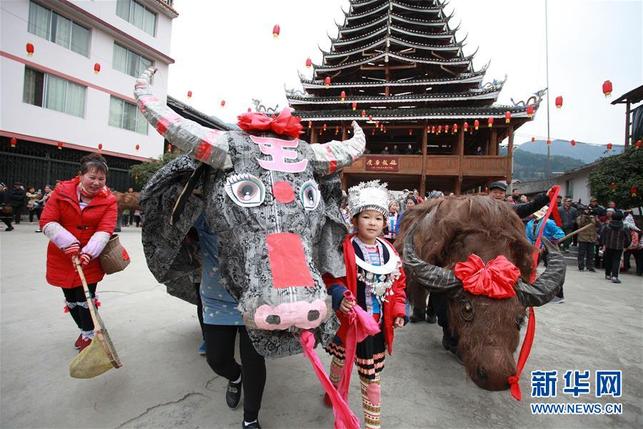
(141, 173)
(620, 179)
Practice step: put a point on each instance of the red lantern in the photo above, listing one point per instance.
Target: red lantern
(190, 94)
(96, 68)
(609, 146)
(410, 132)
(466, 127)
(548, 141)
(370, 117)
(638, 144)
(169, 147)
(13, 142)
(455, 128)
(342, 95)
(446, 128)
(507, 117)
(354, 105)
(309, 63)
(559, 101)
(30, 48)
(476, 124)
(310, 124)
(490, 121)
(336, 130)
(439, 129)
(572, 142)
(327, 81)
(634, 190)
(276, 30)
(324, 127)
(607, 88)
(533, 139)
(137, 147)
(60, 145)
(433, 129)
(530, 110)
(222, 103)
(100, 146)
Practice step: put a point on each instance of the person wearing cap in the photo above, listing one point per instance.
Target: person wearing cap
(614, 238)
(375, 282)
(498, 190)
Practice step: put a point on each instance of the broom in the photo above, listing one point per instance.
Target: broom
(100, 356)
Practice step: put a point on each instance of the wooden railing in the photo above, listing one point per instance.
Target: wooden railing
(436, 165)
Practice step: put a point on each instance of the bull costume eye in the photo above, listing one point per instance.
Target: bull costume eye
(245, 190)
(309, 195)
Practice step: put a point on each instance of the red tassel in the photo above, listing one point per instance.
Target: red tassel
(96, 303)
(65, 309)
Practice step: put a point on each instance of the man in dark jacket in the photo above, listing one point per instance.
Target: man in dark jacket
(6, 211)
(614, 238)
(568, 215)
(17, 197)
(498, 190)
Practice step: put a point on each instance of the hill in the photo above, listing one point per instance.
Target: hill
(583, 151)
(532, 166)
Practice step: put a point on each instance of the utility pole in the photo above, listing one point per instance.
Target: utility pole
(548, 166)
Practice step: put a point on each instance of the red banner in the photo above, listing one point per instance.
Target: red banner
(382, 163)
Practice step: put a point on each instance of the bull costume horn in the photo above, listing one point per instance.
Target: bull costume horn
(335, 155)
(548, 283)
(437, 279)
(204, 144)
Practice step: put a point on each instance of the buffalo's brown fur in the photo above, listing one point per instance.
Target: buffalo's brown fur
(448, 231)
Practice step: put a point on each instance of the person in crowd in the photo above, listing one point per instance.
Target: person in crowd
(614, 239)
(498, 190)
(587, 239)
(409, 203)
(376, 283)
(222, 322)
(18, 198)
(568, 215)
(551, 231)
(515, 194)
(32, 197)
(391, 224)
(79, 219)
(510, 200)
(523, 199)
(611, 205)
(385, 151)
(395, 150)
(6, 211)
(635, 237)
(40, 203)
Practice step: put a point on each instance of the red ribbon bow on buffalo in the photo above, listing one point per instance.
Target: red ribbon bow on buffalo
(284, 124)
(496, 279)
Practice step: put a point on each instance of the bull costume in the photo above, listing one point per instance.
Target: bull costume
(273, 202)
(375, 279)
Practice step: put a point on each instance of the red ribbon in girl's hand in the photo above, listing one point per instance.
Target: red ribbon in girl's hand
(496, 279)
(284, 124)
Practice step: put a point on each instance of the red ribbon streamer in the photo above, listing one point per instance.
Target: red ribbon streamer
(513, 380)
(496, 279)
(284, 124)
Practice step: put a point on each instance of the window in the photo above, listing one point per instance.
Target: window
(56, 28)
(129, 62)
(45, 90)
(126, 115)
(137, 14)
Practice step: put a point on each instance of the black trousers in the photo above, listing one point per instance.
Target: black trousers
(199, 306)
(219, 343)
(638, 257)
(7, 221)
(612, 260)
(75, 297)
(585, 255)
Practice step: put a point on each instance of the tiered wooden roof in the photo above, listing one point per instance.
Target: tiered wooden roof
(398, 60)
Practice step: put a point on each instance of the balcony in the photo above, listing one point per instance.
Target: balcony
(436, 165)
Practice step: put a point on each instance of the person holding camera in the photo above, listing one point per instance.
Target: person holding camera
(587, 239)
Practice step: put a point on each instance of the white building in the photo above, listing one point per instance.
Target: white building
(68, 69)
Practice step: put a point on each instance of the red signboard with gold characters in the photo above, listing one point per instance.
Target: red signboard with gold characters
(382, 163)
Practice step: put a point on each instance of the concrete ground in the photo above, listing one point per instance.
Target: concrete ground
(164, 383)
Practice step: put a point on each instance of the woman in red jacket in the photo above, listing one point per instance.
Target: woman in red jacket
(79, 219)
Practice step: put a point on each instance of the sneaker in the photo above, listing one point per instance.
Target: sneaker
(201, 348)
(78, 341)
(38, 230)
(560, 300)
(84, 342)
(233, 394)
(581, 269)
(608, 277)
(9, 228)
(615, 280)
(252, 425)
(591, 269)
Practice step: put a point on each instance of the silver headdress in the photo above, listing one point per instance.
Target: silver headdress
(371, 195)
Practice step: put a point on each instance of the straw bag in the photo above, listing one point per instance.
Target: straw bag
(114, 257)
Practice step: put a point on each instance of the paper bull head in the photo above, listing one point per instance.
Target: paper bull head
(266, 207)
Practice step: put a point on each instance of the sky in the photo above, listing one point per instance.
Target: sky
(224, 50)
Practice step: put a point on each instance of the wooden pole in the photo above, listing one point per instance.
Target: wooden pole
(510, 150)
(313, 135)
(460, 159)
(425, 141)
(627, 124)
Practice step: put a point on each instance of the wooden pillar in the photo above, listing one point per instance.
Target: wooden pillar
(627, 124)
(344, 133)
(425, 141)
(492, 146)
(510, 151)
(458, 185)
(313, 135)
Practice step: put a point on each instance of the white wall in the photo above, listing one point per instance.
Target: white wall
(19, 117)
(578, 185)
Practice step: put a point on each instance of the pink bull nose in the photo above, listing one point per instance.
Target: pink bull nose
(288, 262)
(303, 315)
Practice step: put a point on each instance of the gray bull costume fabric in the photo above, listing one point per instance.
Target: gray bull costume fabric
(274, 205)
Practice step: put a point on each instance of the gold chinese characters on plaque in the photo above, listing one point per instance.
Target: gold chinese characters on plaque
(382, 163)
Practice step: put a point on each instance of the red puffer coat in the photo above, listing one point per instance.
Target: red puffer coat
(63, 207)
